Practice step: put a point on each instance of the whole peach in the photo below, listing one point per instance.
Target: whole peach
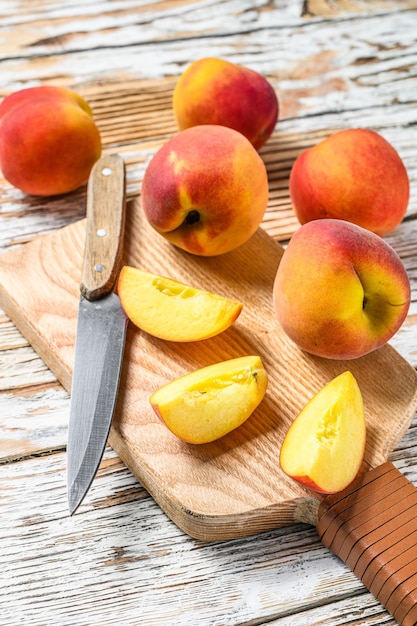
(215, 91)
(353, 175)
(340, 291)
(48, 140)
(206, 190)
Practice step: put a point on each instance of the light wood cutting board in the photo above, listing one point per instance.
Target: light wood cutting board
(233, 487)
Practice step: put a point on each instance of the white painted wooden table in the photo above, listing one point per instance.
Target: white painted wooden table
(120, 560)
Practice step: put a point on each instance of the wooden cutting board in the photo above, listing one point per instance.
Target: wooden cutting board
(233, 487)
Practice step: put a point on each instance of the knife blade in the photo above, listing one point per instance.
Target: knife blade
(101, 329)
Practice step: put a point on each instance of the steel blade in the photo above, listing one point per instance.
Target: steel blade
(100, 341)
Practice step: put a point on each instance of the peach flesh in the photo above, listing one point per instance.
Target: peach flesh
(325, 445)
(172, 310)
(208, 403)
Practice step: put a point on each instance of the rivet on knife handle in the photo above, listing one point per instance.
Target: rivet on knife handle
(371, 526)
(105, 227)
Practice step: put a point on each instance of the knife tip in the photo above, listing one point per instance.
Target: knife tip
(71, 510)
(74, 501)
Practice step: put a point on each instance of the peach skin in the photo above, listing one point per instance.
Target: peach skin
(215, 91)
(206, 190)
(48, 140)
(340, 290)
(353, 175)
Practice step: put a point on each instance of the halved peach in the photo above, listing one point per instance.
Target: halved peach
(324, 447)
(172, 310)
(212, 401)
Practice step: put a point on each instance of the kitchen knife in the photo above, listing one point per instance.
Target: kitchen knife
(101, 329)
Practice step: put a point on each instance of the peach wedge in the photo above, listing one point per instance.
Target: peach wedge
(210, 402)
(324, 447)
(172, 310)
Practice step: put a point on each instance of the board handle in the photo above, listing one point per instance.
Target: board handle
(106, 199)
(372, 527)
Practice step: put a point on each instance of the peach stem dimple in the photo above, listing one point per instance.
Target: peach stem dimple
(192, 217)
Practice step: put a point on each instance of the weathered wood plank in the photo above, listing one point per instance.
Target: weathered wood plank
(10, 337)
(334, 8)
(33, 421)
(139, 118)
(44, 215)
(21, 367)
(341, 613)
(120, 559)
(318, 68)
(336, 63)
(320, 81)
(43, 29)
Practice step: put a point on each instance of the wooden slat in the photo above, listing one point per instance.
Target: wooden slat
(338, 63)
(132, 562)
(34, 419)
(334, 8)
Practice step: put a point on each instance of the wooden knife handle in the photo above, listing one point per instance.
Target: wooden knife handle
(372, 527)
(106, 200)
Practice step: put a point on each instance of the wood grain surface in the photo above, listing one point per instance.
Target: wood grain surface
(121, 561)
(232, 487)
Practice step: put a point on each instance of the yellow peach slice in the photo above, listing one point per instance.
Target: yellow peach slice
(324, 447)
(210, 402)
(171, 310)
